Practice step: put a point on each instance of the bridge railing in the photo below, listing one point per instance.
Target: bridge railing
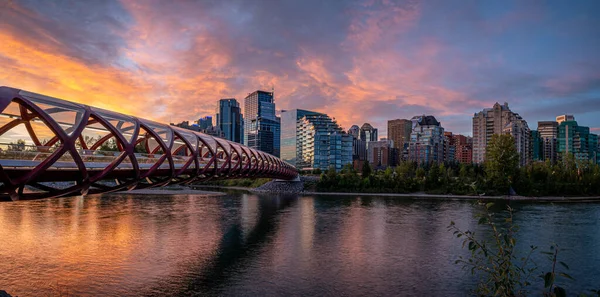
(87, 145)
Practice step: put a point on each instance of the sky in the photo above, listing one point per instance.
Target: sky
(358, 61)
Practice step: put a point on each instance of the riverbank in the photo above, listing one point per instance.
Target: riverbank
(170, 191)
(465, 197)
(548, 199)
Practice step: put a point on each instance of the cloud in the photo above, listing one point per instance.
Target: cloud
(359, 61)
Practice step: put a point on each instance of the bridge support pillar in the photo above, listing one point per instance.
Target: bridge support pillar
(14, 196)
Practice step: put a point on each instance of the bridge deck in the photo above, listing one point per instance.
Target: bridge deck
(61, 165)
(48, 139)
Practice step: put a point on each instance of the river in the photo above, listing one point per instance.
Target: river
(247, 245)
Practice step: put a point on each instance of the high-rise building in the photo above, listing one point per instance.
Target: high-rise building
(498, 120)
(186, 125)
(399, 132)
(205, 122)
(565, 118)
(598, 150)
(449, 147)
(548, 135)
(537, 146)
(262, 129)
(354, 131)
(229, 120)
(464, 149)
(458, 148)
(290, 132)
(368, 134)
(578, 141)
(426, 140)
(212, 130)
(321, 143)
(382, 154)
(522, 134)
(359, 148)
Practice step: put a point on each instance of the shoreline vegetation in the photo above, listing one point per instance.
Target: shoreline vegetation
(179, 190)
(422, 195)
(500, 177)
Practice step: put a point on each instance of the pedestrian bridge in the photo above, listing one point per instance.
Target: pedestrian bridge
(51, 148)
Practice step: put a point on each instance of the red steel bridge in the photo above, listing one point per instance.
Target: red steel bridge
(51, 148)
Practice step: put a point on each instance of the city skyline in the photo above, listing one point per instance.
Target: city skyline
(371, 62)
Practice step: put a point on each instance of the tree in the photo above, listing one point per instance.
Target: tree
(501, 162)
(109, 146)
(19, 146)
(434, 176)
(366, 169)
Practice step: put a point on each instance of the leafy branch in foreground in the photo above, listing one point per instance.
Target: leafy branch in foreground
(554, 290)
(501, 272)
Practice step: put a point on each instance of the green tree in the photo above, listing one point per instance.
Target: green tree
(109, 146)
(366, 169)
(501, 162)
(434, 176)
(19, 146)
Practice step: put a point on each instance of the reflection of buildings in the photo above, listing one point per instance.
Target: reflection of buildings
(261, 126)
(249, 211)
(77, 242)
(295, 240)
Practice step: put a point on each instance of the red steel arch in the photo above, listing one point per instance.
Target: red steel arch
(51, 148)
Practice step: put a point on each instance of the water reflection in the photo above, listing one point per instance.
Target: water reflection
(243, 244)
(237, 247)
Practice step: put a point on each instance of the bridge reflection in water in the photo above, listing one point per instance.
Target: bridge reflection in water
(51, 147)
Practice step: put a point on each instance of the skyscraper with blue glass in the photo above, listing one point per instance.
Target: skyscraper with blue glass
(262, 128)
(229, 120)
(577, 141)
(289, 132)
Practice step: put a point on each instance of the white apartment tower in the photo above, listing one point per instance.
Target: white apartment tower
(497, 120)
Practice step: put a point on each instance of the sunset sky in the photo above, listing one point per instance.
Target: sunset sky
(358, 61)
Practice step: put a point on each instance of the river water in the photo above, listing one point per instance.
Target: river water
(247, 245)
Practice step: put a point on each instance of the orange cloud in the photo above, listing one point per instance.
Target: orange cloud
(60, 76)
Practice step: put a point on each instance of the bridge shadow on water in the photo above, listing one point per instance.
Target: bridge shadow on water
(236, 250)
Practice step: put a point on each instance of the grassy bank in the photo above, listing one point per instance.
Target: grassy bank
(239, 182)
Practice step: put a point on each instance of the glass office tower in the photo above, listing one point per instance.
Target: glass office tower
(289, 132)
(321, 143)
(229, 120)
(262, 129)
